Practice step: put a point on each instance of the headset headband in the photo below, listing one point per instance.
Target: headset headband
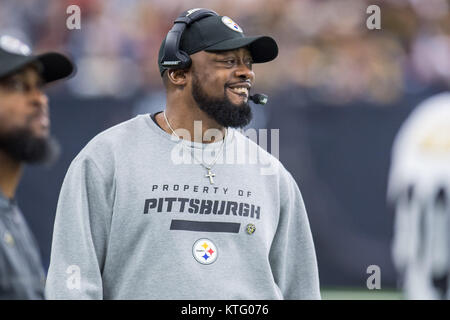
(173, 57)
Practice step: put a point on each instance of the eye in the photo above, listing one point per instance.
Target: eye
(229, 62)
(13, 85)
(40, 84)
(249, 63)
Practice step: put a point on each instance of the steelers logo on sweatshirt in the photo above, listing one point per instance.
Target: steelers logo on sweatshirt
(204, 251)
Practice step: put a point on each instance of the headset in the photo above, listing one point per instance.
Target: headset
(175, 58)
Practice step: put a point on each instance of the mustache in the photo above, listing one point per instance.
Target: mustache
(36, 115)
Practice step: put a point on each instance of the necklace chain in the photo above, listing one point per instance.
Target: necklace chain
(206, 166)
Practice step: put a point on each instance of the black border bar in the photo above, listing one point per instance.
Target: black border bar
(205, 226)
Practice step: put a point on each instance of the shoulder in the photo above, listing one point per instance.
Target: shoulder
(420, 146)
(270, 166)
(120, 135)
(247, 142)
(425, 116)
(105, 147)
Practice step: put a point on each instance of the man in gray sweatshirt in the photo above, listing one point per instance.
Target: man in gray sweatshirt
(180, 204)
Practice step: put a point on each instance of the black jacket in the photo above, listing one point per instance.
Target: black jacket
(21, 271)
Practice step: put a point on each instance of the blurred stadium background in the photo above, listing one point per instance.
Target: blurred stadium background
(338, 93)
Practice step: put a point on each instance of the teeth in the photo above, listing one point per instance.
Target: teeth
(45, 121)
(240, 90)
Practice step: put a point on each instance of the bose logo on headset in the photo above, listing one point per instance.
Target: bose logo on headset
(192, 11)
(171, 63)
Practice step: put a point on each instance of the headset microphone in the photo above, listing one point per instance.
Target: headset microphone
(259, 98)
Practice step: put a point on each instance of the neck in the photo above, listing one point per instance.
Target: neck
(183, 116)
(10, 174)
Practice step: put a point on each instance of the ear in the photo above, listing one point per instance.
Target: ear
(177, 76)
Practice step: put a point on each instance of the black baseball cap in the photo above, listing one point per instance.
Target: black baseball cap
(221, 33)
(14, 55)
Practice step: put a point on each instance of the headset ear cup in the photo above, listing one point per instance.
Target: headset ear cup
(184, 58)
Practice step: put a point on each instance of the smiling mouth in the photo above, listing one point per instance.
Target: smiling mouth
(240, 91)
(42, 120)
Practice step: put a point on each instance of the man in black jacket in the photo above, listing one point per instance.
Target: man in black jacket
(24, 138)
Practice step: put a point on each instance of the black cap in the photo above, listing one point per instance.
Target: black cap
(220, 33)
(14, 55)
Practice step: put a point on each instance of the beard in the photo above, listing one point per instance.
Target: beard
(23, 146)
(222, 110)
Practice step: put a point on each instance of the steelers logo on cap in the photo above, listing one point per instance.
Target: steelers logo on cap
(231, 24)
(204, 251)
(13, 45)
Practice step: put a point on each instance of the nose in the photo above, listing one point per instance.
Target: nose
(38, 99)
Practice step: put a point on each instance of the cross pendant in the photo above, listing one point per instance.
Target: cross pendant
(210, 176)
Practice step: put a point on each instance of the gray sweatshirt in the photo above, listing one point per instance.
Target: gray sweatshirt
(139, 218)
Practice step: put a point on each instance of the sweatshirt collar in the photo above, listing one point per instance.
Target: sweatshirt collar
(196, 145)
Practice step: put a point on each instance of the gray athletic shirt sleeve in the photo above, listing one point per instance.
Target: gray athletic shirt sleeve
(115, 236)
